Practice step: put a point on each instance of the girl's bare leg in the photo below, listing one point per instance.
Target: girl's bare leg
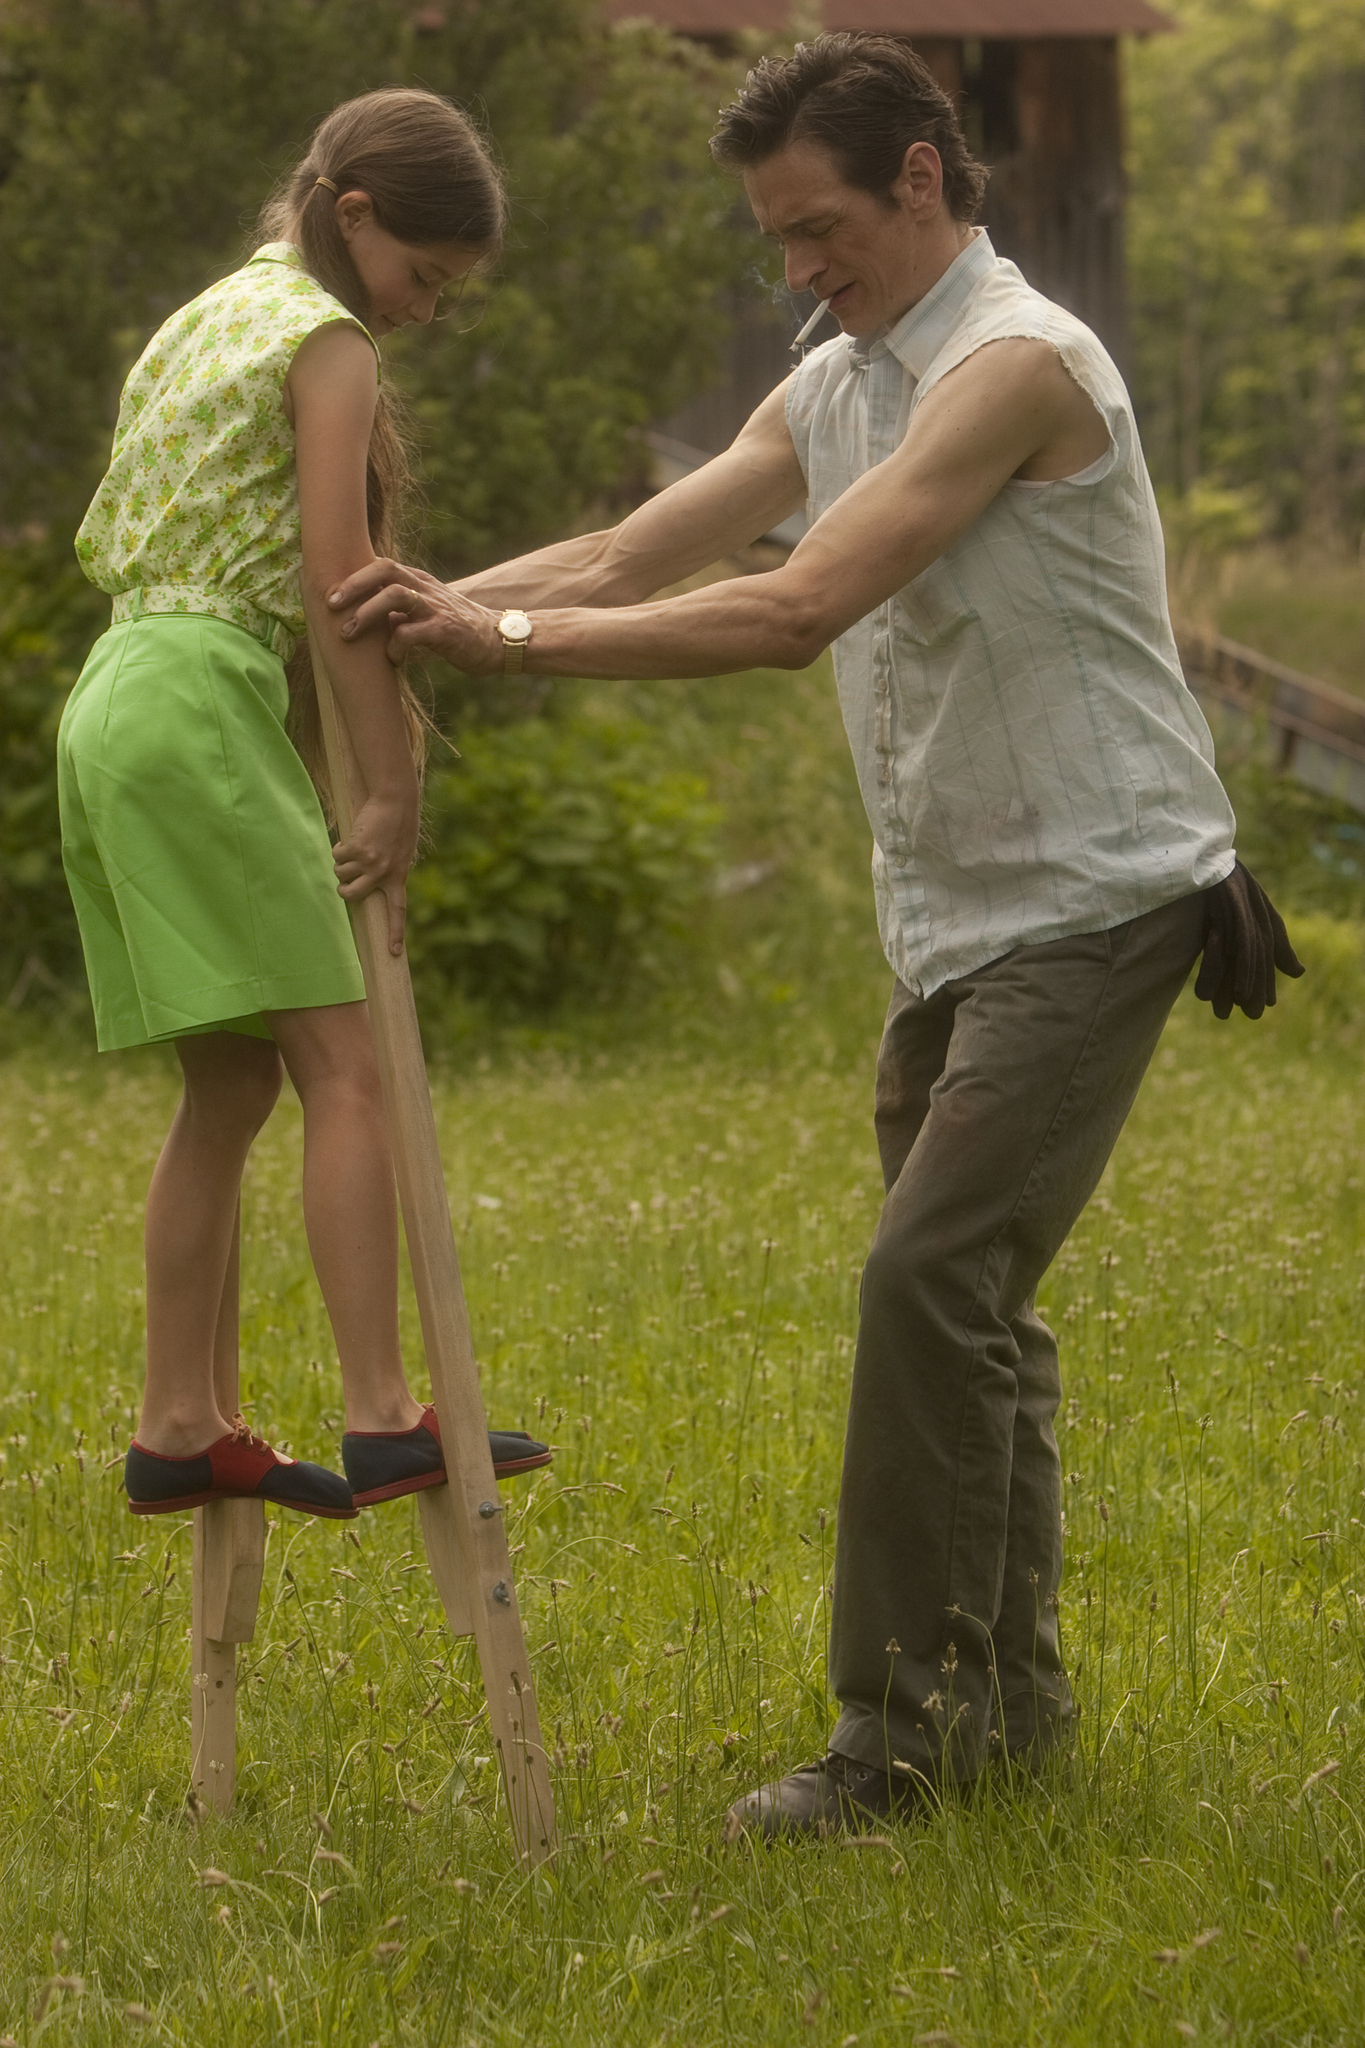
(231, 1083)
(349, 1204)
(227, 1332)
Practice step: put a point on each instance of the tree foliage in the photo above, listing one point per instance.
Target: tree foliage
(46, 608)
(1247, 239)
(565, 860)
(139, 137)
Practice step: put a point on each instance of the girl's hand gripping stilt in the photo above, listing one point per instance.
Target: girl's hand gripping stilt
(376, 854)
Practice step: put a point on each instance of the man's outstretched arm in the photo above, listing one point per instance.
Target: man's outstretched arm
(721, 507)
(984, 422)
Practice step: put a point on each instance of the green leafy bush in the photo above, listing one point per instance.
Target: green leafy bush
(566, 860)
(49, 615)
(1307, 849)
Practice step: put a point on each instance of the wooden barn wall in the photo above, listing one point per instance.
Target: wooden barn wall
(754, 359)
(1047, 117)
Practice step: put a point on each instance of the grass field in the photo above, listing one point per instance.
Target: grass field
(1297, 603)
(662, 1242)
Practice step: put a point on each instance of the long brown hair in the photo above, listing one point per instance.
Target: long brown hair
(430, 179)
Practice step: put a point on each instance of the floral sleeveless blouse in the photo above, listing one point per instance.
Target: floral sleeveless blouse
(199, 511)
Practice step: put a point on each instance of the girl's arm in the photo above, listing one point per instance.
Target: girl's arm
(330, 395)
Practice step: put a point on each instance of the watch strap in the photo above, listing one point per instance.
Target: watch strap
(513, 643)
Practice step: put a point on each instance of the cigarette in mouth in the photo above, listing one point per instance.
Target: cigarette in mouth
(816, 317)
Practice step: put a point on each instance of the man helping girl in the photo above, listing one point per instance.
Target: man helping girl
(1052, 848)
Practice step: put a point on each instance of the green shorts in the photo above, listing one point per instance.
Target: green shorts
(193, 839)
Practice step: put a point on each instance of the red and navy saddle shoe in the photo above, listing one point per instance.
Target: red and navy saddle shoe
(239, 1466)
(382, 1464)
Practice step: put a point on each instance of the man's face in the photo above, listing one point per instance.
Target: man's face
(857, 251)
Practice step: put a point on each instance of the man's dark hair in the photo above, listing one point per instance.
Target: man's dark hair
(863, 98)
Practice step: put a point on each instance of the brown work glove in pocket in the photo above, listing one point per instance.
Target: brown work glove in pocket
(1244, 943)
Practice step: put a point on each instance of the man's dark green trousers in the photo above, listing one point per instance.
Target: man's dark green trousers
(999, 1100)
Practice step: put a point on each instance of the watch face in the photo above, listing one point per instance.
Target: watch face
(514, 626)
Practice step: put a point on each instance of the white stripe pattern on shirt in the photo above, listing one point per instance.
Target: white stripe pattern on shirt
(1032, 762)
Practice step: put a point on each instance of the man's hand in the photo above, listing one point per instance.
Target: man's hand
(376, 854)
(1245, 941)
(359, 594)
(421, 615)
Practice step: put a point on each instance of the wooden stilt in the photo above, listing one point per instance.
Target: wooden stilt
(462, 1523)
(229, 1558)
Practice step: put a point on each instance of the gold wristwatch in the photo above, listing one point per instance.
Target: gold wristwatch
(515, 629)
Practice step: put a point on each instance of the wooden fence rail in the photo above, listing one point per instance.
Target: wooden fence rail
(1314, 731)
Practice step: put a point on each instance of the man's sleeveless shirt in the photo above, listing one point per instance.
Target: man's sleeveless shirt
(199, 510)
(1032, 762)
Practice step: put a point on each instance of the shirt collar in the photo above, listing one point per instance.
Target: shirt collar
(277, 252)
(919, 334)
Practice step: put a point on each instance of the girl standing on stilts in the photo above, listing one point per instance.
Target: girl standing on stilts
(255, 465)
